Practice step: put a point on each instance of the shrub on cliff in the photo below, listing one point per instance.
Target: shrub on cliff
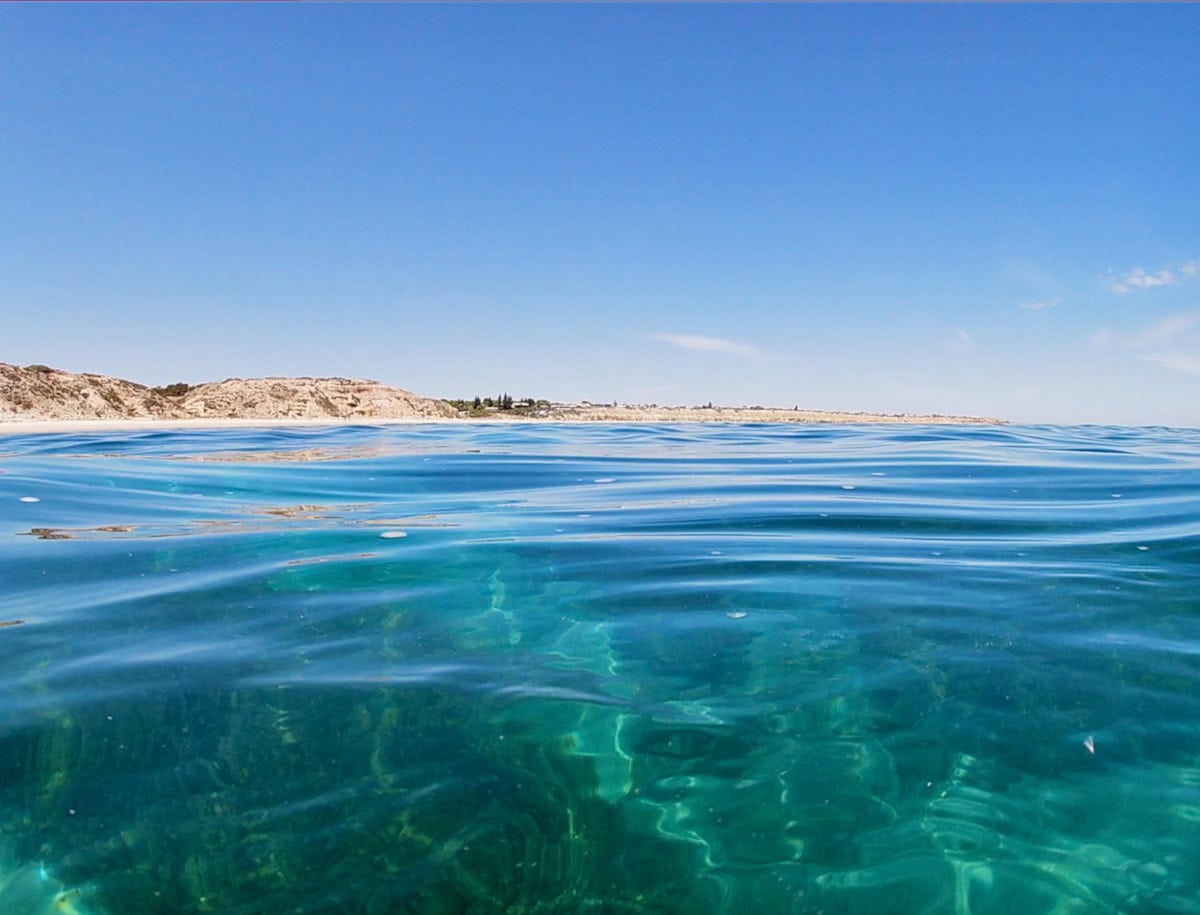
(178, 389)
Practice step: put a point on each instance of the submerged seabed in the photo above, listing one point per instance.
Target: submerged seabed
(674, 669)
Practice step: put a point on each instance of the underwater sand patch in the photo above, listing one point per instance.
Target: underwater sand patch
(339, 513)
(305, 513)
(297, 512)
(74, 533)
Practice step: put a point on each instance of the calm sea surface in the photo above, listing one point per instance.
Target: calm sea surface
(600, 669)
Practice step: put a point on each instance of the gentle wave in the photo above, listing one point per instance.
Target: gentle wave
(693, 668)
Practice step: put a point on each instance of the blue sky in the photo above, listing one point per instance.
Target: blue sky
(985, 209)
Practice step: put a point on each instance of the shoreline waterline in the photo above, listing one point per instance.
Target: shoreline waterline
(737, 415)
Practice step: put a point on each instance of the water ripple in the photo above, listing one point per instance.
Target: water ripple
(536, 668)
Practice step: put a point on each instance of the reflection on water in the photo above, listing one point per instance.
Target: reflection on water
(605, 669)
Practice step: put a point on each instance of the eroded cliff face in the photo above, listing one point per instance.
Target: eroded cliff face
(38, 392)
(308, 398)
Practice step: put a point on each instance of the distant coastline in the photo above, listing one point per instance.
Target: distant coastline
(40, 398)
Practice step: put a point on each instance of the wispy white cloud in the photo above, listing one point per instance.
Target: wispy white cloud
(1139, 278)
(1040, 304)
(1172, 342)
(696, 343)
(961, 340)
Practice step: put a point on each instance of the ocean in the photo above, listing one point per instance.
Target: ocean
(600, 669)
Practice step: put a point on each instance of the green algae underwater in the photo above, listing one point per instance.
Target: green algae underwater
(609, 669)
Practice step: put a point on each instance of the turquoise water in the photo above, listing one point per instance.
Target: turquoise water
(607, 669)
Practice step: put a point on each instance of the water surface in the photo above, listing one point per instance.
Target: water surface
(601, 668)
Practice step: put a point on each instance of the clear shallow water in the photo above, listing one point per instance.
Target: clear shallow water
(673, 669)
